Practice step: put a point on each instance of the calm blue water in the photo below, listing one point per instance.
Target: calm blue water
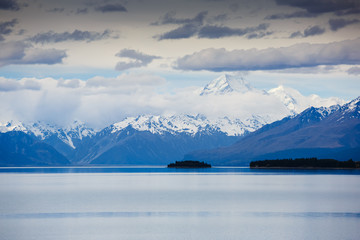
(159, 203)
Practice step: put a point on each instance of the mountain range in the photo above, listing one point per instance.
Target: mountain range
(150, 139)
(332, 132)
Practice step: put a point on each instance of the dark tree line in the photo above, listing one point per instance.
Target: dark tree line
(304, 163)
(189, 164)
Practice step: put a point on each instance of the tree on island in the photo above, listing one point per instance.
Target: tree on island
(189, 164)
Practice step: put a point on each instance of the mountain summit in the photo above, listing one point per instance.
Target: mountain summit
(226, 84)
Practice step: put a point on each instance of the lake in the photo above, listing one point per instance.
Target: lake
(159, 203)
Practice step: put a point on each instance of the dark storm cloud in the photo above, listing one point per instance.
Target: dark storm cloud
(310, 31)
(336, 24)
(76, 35)
(222, 31)
(296, 56)
(321, 6)
(6, 28)
(139, 59)
(9, 5)
(23, 53)
(169, 18)
(298, 14)
(115, 7)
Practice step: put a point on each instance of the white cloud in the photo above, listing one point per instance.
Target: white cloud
(14, 85)
(102, 101)
(295, 56)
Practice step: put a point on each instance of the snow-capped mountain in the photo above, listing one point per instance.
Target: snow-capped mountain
(292, 99)
(316, 132)
(43, 131)
(351, 109)
(189, 124)
(226, 84)
(158, 139)
(296, 102)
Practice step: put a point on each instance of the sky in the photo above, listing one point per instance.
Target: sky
(100, 61)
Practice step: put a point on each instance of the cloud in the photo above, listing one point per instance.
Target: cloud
(195, 27)
(69, 83)
(23, 53)
(308, 32)
(126, 81)
(258, 35)
(116, 7)
(102, 101)
(190, 26)
(354, 71)
(43, 56)
(321, 6)
(9, 5)
(185, 31)
(7, 27)
(56, 10)
(295, 56)
(169, 18)
(76, 35)
(222, 31)
(336, 24)
(81, 11)
(312, 31)
(298, 14)
(98, 100)
(7, 85)
(348, 12)
(218, 18)
(139, 59)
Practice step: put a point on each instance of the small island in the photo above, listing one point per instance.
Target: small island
(189, 164)
(306, 163)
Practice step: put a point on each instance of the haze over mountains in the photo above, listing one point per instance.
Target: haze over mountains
(158, 139)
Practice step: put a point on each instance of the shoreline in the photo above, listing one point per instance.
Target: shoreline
(305, 168)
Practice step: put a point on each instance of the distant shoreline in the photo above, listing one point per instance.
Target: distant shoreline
(306, 168)
(305, 163)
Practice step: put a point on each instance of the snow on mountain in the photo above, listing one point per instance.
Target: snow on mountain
(296, 102)
(77, 130)
(353, 106)
(292, 99)
(274, 105)
(226, 84)
(350, 110)
(12, 126)
(190, 124)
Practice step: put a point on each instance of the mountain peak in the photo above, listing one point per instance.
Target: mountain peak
(225, 84)
(352, 108)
